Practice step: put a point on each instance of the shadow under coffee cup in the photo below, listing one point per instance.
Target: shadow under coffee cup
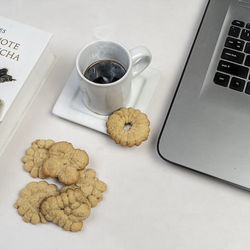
(106, 70)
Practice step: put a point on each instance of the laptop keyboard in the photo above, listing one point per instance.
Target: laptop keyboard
(234, 65)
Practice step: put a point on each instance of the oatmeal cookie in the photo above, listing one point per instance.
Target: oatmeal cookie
(30, 198)
(90, 185)
(67, 210)
(137, 122)
(35, 157)
(65, 162)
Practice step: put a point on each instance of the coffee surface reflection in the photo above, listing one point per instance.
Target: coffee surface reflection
(105, 72)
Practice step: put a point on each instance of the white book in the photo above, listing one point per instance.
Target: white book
(25, 59)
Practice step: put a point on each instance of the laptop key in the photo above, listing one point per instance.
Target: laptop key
(221, 79)
(247, 48)
(233, 69)
(248, 26)
(245, 35)
(238, 23)
(233, 43)
(234, 31)
(247, 91)
(247, 62)
(237, 84)
(232, 56)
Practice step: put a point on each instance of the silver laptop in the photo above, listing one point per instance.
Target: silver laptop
(207, 128)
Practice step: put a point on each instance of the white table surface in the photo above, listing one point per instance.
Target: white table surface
(149, 204)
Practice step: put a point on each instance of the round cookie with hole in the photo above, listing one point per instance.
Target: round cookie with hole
(128, 127)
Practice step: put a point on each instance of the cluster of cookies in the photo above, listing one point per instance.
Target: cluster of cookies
(40, 202)
(128, 127)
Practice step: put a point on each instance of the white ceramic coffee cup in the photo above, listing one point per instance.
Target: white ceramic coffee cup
(105, 98)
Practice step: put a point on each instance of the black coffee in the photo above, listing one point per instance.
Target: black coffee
(105, 71)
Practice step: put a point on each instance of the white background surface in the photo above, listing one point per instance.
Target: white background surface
(150, 204)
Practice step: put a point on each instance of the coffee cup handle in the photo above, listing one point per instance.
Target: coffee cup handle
(141, 58)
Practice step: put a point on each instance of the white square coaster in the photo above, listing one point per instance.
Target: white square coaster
(70, 106)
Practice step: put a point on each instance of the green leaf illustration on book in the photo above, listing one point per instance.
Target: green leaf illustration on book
(4, 77)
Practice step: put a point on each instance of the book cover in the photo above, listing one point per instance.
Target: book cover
(21, 46)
